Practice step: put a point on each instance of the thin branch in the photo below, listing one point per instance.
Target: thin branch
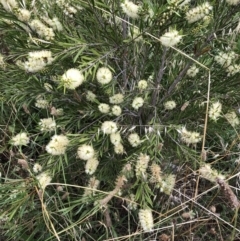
(208, 211)
(124, 34)
(206, 115)
(176, 81)
(158, 81)
(159, 77)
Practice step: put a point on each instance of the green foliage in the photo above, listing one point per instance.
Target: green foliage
(156, 157)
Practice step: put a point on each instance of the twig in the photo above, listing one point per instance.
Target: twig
(108, 220)
(173, 226)
(124, 34)
(40, 194)
(119, 183)
(206, 115)
(176, 81)
(203, 152)
(202, 207)
(159, 77)
(235, 224)
(219, 229)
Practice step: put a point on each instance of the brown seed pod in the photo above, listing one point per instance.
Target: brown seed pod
(212, 209)
(23, 163)
(164, 237)
(229, 194)
(65, 195)
(212, 231)
(188, 215)
(184, 106)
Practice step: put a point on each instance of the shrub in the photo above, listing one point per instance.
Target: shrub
(119, 119)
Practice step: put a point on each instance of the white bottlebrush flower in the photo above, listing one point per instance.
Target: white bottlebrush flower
(119, 149)
(192, 71)
(85, 152)
(92, 186)
(232, 118)
(189, 137)
(130, 9)
(2, 62)
(146, 219)
(9, 5)
(104, 75)
(41, 103)
(134, 139)
(42, 30)
(43, 54)
(104, 108)
(56, 112)
(109, 127)
(72, 78)
(68, 9)
(57, 145)
(141, 165)
(57, 24)
(215, 111)
(47, 124)
(54, 23)
(115, 138)
(23, 14)
(142, 84)
(170, 105)
(37, 61)
(168, 183)
(137, 102)
(91, 165)
(43, 179)
(48, 87)
(225, 59)
(233, 69)
(199, 12)
(131, 202)
(170, 38)
(151, 77)
(149, 15)
(156, 176)
(233, 2)
(135, 34)
(116, 110)
(20, 139)
(90, 96)
(37, 168)
(210, 174)
(116, 99)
